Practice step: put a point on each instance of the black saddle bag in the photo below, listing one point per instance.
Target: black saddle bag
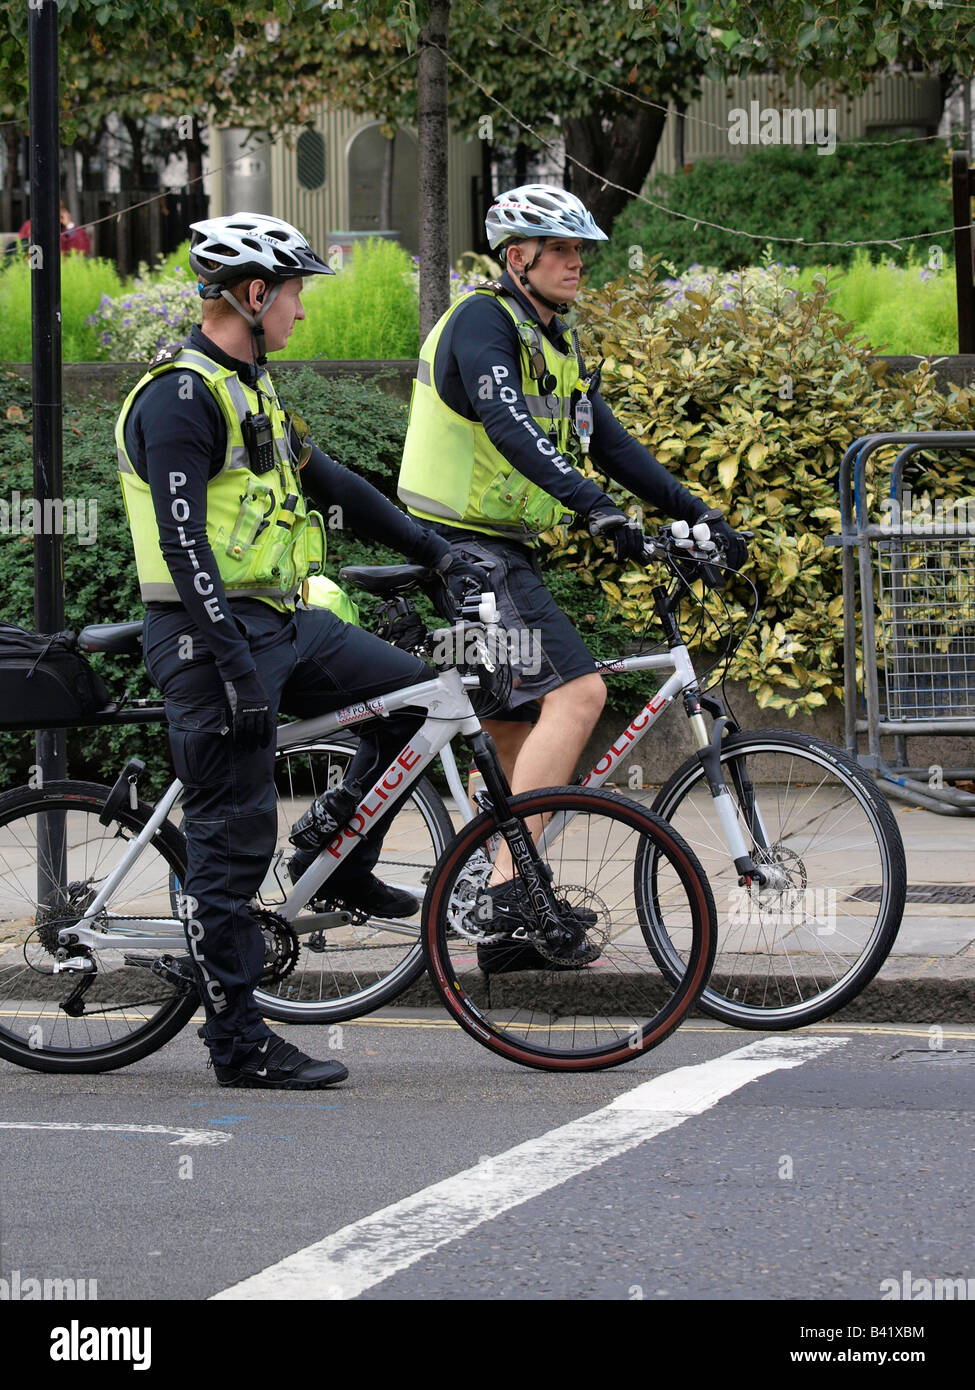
(45, 681)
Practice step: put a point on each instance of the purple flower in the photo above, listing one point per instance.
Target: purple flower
(106, 339)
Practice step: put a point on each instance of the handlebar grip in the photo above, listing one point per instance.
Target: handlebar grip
(609, 521)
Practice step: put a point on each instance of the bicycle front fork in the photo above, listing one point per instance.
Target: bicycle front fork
(709, 752)
(535, 874)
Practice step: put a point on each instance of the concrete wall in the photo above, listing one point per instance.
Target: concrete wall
(395, 375)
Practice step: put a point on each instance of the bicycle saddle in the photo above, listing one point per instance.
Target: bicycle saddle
(118, 638)
(386, 579)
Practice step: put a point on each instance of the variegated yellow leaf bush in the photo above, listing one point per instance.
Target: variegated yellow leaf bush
(749, 392)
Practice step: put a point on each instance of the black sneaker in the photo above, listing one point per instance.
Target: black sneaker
(279, 1066)
(368, 894)
(511, 911)
(376, 898)
(502, 957)
(510, 904)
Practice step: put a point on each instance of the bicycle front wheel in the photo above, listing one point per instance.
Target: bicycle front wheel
(108, 1010)
(798, 949)
(590, 1016)
(343, 972)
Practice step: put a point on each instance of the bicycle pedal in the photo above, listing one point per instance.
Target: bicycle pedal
(176, 972)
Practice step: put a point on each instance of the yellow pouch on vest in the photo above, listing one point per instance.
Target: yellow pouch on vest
(512, 498)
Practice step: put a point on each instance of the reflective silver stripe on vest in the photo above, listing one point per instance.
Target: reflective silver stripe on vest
(540, 407)
(207, 363)
(168, 593)
(123, 462)
(426, 504)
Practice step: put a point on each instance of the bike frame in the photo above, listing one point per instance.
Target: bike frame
(682, 681)
(448, 712)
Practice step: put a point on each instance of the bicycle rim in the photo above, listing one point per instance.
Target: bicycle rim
(347, 971)
(128, 1012)
(794, 952)
(589, 1017)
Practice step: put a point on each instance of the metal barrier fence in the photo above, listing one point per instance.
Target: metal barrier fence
(909, 595)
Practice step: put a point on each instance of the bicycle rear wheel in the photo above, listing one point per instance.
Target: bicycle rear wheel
(115, 1011)
(797, 950)
(344, 972)
(594, 1016)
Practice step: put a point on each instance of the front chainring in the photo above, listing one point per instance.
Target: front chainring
(281, 946)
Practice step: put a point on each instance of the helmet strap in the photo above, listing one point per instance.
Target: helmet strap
(260, 347)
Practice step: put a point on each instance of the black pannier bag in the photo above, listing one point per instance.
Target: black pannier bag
(45, 681)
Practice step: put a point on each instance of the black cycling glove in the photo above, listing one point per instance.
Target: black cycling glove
(250, 712)
(462, 579)
(735, 547)
(625, 533)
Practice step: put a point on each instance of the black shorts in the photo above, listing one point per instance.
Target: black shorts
(545, 648)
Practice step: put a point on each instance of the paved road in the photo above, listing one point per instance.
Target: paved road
(822, 1178)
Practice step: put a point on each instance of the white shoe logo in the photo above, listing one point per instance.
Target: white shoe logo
(262, 1072)
(264, 1048)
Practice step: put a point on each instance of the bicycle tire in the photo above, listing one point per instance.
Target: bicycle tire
(807, 974)
(25, 1043)
(362, 967)
(521, 1018)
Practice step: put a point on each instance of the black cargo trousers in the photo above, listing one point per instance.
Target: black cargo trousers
(309, 663)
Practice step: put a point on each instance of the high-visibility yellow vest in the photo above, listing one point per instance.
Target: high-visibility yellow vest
(451, 472)
(322, 592)
(264, 539)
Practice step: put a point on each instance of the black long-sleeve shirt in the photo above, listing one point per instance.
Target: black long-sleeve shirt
(177, 441)
(479, 347)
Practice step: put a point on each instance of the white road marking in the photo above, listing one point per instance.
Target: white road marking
(184, 1137)
(370, 1251)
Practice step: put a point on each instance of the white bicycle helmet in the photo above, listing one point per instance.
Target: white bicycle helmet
(227, 249)
(538, 209)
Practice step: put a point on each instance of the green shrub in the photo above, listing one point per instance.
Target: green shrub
(357, 424)
(900, 310)
(752, 406)
(151, 312)
(368, 310)
(859, 192)
(84, 282)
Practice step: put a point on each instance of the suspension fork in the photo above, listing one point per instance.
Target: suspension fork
(709, 754)
(534, 873)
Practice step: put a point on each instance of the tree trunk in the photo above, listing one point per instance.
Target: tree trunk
(521, 164)
(12, 139)
(386, 190)
(194, 154)
(432, 133)
(135, 137)
(622, 153)
(70, 166)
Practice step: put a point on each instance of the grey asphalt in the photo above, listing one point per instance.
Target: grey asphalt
(929, 975)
